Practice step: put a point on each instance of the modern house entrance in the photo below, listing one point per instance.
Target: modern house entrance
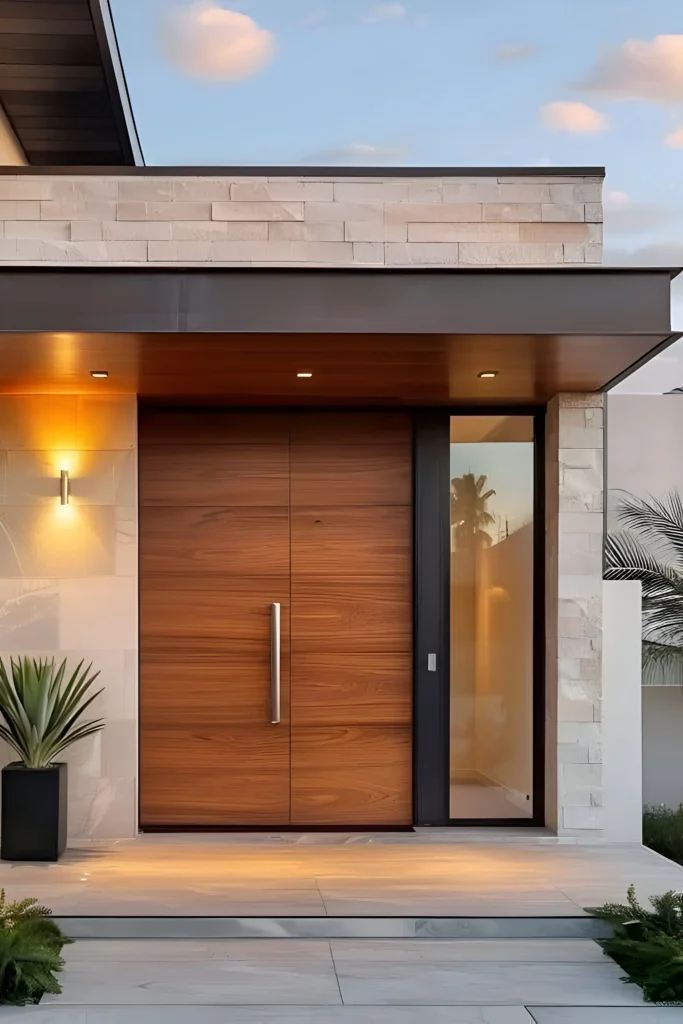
(275, 619)
(333, 533)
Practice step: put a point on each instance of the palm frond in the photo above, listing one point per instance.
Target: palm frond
(662, 664)
(627, 558)
(655, 519)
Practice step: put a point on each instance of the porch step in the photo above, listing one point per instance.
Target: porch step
(580, 927)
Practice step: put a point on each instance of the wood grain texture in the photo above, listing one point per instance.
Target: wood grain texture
(350, 474)
(393, 428)
(236, 474)
(209, 573)
(217, 610)
(358, 615)
(224, 541)
(344, 541)
(224, 686)
(208, 775)
(346, 689)
(353, 775)
(163, 426)
(355, 370)
(54, 88)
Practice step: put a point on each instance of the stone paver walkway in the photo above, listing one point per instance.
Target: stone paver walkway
(341, 982)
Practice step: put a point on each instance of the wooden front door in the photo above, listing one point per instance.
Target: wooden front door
(238, 512)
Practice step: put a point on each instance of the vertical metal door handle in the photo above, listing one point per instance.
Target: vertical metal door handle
(275, 664)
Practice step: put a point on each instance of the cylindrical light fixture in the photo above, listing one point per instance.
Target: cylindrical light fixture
(64, 486)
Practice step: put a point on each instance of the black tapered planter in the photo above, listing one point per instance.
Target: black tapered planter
(34, 804)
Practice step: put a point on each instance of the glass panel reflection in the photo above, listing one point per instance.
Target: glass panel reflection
(491, 672)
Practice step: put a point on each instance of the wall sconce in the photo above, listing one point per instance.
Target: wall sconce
(64, 486)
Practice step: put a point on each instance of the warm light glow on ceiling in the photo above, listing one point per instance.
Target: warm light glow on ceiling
(487, 374)
(99, 373)
(304, 374)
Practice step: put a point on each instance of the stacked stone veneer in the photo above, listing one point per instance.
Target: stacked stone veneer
(439, 221)
(574, 546)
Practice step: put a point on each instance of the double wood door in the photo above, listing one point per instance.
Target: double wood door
(240, 512)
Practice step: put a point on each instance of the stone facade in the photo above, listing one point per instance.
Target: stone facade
(319, 221)
(574, 552)
(69, 577)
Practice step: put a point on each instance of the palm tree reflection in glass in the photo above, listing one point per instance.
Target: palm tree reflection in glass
(469, 516)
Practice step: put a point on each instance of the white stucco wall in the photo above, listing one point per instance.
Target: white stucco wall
(663, 745)
(622, 711)
(645, 457)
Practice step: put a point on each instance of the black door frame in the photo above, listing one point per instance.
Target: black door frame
(431, 695)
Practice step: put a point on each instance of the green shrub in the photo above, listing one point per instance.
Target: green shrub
(30, 948)
(663, 831)
(647, 944)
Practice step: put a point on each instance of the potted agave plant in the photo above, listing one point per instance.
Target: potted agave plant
(42, 712)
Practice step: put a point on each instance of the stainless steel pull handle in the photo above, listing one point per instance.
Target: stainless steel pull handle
(275, 664)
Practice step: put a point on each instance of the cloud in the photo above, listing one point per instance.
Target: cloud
(625, 217)
(573, 117)
(515, 51)
(543, 161)
(613, 197)
(675, 140)
(358, 154)
(640, 70)
(385, 12)
(206, 41)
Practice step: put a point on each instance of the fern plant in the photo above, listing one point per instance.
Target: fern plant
(41, 711)
(30, 952)
(647, 944)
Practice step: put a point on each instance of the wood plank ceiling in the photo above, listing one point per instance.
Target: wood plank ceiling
(57, 84)
(366, 369)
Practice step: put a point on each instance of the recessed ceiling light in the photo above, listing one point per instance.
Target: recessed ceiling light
(304, 374)
(488, 373)
(99, 373)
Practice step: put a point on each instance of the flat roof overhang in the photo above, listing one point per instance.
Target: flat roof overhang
(240, 335)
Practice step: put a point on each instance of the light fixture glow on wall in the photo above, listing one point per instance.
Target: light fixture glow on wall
(64, 487)
(99, 373)
(487, 374)
(304, 374)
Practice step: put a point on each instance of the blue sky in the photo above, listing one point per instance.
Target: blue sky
(424, 82)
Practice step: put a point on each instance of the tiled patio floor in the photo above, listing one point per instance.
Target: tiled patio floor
(431, 872)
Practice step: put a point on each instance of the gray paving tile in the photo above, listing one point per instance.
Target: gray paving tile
(485, 984)
(171, 950)
(607, 1015)
(458, 950)
(205, 982)
(272, 1015)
